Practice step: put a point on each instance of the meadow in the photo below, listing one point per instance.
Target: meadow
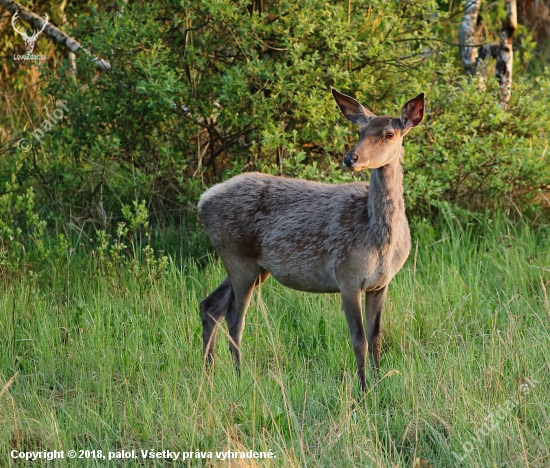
(110, 359)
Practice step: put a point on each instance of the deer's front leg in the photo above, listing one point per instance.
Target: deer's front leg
(351, 301)
(374, 301)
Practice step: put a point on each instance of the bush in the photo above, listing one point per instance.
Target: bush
(21, 231)
(471, 155)
(203, 92)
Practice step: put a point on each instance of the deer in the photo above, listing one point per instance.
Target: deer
(349, 238)
(30, 41)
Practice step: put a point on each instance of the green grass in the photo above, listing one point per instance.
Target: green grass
(114, 363)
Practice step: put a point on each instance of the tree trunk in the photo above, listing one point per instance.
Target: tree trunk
(472, 58)
(535, 14)
(505, 60)
(70, 55)
(466, 36)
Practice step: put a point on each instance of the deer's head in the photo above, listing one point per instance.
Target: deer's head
(30, 41)
(380, 137)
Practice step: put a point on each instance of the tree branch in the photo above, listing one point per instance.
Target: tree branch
(52, 32)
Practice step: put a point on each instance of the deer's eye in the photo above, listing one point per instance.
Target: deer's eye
(389, 135)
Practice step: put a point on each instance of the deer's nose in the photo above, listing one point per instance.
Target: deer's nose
(350, 159)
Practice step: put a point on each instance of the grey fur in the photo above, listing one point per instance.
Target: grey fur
(347, 238)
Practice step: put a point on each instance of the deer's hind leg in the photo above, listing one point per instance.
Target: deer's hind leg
(245, 275)
(213, 309)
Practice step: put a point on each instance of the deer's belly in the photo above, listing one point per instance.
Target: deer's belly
(309, 279)
(314, 287)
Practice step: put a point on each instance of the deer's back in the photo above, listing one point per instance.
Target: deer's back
(259, 213)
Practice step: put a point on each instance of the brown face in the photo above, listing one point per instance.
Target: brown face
(379, 142)
(380, 138)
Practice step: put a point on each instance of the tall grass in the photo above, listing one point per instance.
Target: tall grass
(114, 363)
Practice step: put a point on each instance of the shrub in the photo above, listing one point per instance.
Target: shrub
(471, 155)
(205, 91)
(21, 231)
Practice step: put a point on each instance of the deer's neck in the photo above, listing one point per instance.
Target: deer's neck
(386, 205)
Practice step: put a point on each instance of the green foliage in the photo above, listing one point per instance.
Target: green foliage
(212, 89)
(27, 247)
(21, 231)
(130, 253)
(216, 88)
(204, 90)
(473, 155)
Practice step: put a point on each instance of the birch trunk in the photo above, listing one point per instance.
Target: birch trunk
(466, 36)
(473, 56)
(70, 55)
(505, 60)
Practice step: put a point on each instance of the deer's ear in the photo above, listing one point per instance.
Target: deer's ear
(413, 112)
(352, 110)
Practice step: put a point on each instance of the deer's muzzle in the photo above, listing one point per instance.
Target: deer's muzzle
(350, 159)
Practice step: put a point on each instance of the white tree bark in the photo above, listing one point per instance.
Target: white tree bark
(70, 55)
(505, 60)
(473, 56)
(52, 32)
(466, 36)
